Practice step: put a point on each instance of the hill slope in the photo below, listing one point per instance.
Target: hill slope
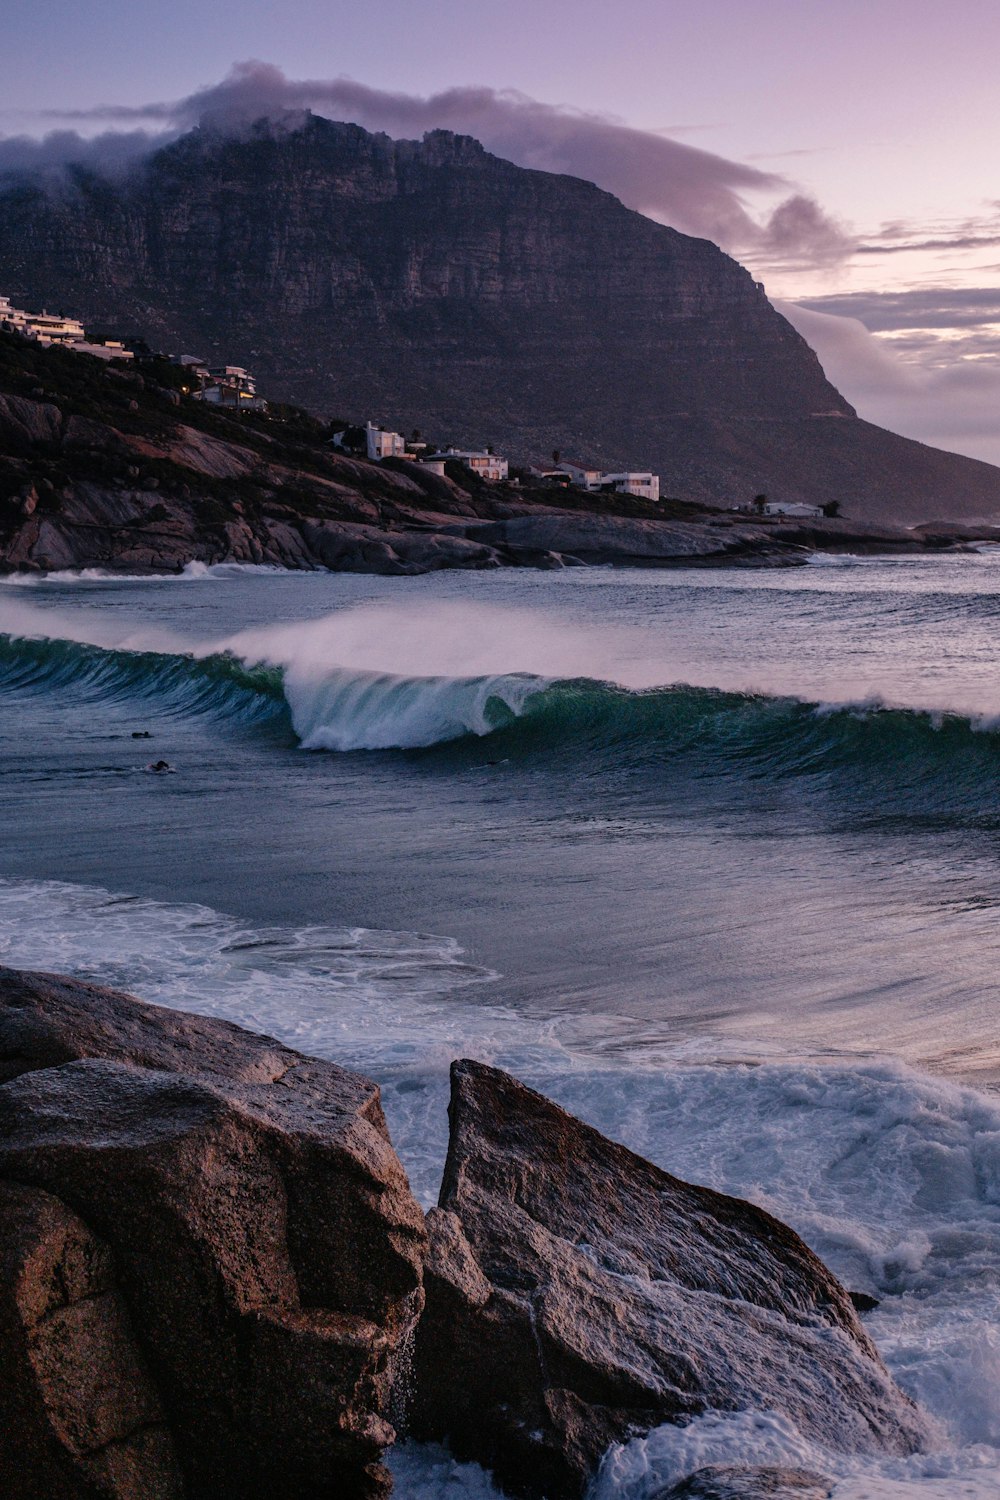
(430, 284)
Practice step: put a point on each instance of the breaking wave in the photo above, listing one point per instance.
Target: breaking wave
(335, 708)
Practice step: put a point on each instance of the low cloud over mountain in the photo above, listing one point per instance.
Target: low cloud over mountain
(694, 190)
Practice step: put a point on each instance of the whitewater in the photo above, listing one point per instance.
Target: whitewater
(709, 858)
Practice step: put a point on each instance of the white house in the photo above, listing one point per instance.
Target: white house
(228, 385)
(13, 316)
(787, 508)
(53, 328)
(380, 443)
(485, 465)
(110, 349)
(640, 483)
(589, 477)
(584, 476)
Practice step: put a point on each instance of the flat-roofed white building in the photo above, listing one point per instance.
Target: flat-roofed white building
(109, 350)
(639, 482)
(381, 443)
(53, 328)
(14, 317)
(483, 463)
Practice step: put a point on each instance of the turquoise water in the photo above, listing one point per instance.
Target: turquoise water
(711, 857)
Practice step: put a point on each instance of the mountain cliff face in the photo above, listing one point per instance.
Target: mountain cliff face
(430, 284)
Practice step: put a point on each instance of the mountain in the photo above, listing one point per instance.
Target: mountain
(432, 285)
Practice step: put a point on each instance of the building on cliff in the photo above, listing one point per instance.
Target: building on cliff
(640, 483)
(381, 443)
(52, 328)
(484, 463)
(230, 385)
(588, 476)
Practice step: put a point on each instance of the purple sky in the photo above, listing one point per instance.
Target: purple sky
(846, 154)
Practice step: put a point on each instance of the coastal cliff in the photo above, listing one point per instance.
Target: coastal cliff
(432, 284)
(102, 467)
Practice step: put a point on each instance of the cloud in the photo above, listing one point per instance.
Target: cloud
(693, 190)
(111, 152)
(921, 307)
(954, 406)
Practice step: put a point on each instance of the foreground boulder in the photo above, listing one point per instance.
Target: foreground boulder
(79, 1413)
(219, 1229)
(576, 1295)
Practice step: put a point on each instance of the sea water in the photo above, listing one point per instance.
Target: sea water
(709, 857)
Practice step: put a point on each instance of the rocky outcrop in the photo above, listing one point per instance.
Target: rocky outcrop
(722, 1482)
(432, 284)
(577, 1294)
(212, 1261)
(212, 1274)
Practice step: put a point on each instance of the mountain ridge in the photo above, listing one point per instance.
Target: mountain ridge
(432, 284)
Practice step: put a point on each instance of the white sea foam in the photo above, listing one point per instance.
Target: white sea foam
(891, 1175)
(192, 572)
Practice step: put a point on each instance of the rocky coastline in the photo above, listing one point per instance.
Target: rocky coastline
(103, 468)
(215, 1282)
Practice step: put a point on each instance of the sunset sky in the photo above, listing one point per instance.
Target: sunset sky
(846, 154)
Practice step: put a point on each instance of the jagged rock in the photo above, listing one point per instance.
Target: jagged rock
(265, 1243)
(577, 1294)
(79, 1413)
(24, 422)
(722, 1482)
(100, 437)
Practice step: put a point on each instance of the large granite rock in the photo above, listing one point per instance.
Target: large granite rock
(253, 1254)
(475, 299)
(79, 1413)
(576, 1294)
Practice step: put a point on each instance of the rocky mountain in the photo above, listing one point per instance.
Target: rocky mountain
(431, 284)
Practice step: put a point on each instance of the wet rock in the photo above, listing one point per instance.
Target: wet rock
(265, 1243)
(722, 1482)
(576, 1294)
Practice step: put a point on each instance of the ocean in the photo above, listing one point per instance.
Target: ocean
(710, 857)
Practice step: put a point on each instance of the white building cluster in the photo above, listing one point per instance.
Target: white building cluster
(382, 442)
(52, 328)
(589, 477)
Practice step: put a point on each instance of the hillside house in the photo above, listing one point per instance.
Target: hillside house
(585, 476)
(588, 476)
(381, 443)
(12, 317)
(227, 385)
(484, 464)
(53, 328)
(641, 483)
(789, 508)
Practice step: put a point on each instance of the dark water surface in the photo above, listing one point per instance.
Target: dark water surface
(711, 857)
